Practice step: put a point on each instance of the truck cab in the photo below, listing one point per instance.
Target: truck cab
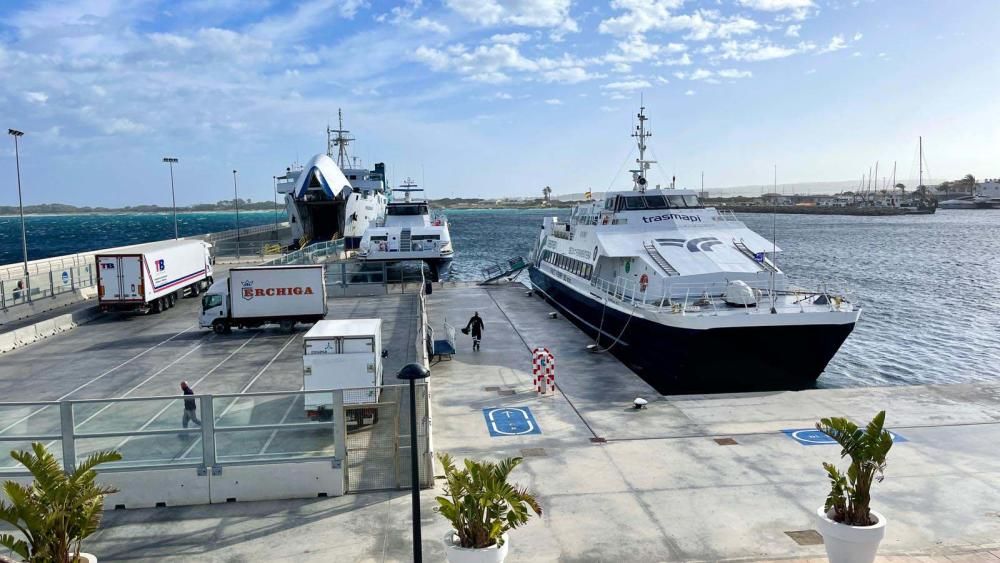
(215, 307)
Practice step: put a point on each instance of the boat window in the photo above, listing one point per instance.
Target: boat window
(211, 301)
(676, 201)
(692, 201)
(655, 202)
(636, 202)
(379, 237)
(609, 203)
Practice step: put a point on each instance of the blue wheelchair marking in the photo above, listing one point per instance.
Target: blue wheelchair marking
(510, 421)
(813, 437)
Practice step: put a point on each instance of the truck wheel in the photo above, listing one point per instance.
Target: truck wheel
(171, 300)
(157, 306)
(196, 289)
(287, 326)
(220, 327)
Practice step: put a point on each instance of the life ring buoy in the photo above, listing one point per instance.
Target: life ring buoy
(643, 282)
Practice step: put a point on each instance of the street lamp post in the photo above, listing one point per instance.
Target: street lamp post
(275, 203)
(236, 202)
(170, 162)
(413, 372)
(20, 204)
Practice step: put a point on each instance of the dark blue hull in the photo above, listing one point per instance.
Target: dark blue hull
(680, 360)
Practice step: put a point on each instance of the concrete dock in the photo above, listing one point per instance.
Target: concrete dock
(690, 478)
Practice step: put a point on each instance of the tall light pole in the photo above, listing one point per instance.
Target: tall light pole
(20, 204)
(170, 162)
(275, 203)
(411, 373)
(236, 202)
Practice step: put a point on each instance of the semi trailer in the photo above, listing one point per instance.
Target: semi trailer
(150, 278)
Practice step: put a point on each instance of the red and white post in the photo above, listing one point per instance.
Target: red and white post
(543, 368)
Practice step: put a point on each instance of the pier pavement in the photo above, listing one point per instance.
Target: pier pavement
(690, 478)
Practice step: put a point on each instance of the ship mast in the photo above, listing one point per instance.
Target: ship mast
(640, 135)
(340, 141)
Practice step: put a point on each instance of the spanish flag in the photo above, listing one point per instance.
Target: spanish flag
(587, 195)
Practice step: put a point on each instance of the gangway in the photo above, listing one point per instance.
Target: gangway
(508, 269)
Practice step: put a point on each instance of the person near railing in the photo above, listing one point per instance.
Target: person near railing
(18, 290)
(190, 407)
(475, 326)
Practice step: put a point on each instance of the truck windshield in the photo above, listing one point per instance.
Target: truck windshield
(210, 301)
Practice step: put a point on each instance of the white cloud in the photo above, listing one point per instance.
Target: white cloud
(568, 75)
(121, 125)
(510, 38)
(836, 43)
(856, 54)
(627, 85)
(683, 60)
(777, 5)
(707, 49)
(662, 80)
(641, 16)
(528, 13)
(36, 97)
(554, 102)
(858, 36)
(427, 24)
(502, 96)
(757, 50)
(679, 75)
(793, 30)
(734, 73)
(608, 109)
(700, 74)
(171, 40)
(689, 93)
(622, 67)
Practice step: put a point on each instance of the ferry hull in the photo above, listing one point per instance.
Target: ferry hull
(680, 360)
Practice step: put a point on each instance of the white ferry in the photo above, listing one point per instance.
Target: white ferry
(328, 199)
(409, 232)
(687, 296)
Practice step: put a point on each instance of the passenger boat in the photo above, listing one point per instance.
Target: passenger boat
(689, 297)
(409, 233)
(328, 199)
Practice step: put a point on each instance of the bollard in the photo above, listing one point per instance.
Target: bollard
(543, 368)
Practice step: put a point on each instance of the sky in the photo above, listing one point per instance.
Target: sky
(490, 98)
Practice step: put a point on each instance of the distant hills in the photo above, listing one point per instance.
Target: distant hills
(65, 209)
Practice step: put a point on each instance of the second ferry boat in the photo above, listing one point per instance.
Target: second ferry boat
(328, 199)
(688, 297)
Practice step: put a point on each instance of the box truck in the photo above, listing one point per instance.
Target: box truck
(343, 354)
(257, 295)
(151, 277)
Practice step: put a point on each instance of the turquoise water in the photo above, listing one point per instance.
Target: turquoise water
(57, 235)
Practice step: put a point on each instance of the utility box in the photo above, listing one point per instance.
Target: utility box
(343, 354)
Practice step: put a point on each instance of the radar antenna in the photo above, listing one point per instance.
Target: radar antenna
(340, 141)
(640, 134)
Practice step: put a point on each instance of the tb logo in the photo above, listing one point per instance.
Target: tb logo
(160, 265)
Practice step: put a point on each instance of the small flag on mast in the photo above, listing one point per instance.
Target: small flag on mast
(588, 195)
(759, 257)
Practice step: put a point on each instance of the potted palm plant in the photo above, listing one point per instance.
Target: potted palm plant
(57, 511)
(482, 507)
(851, 530)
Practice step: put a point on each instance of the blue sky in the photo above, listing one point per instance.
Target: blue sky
(490, 97)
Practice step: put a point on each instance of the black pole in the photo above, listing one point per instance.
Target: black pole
(415, 475)
(275, 203)
(236, 202)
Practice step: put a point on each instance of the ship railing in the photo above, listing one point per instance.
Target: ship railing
(22, 290)
(562, 233)
(683, 298)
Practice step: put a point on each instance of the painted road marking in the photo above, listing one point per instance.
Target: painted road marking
(813, 437)
(510, 421)
(121, 365)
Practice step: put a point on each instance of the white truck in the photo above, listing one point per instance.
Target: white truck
(151, 277)
(253, 296)
(343, 354)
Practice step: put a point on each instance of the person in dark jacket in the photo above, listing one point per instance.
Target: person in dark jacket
(476, 327)
(190, 406)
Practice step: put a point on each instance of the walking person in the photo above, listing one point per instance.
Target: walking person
(475, 325)
(190, 406)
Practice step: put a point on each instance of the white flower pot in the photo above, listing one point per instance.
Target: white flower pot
(850, 544)
(85, 558)
(456, 554)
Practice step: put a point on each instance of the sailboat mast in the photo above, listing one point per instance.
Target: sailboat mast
(921, 165)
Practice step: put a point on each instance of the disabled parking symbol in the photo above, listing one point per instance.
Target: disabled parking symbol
(510, 421)
(813, 437)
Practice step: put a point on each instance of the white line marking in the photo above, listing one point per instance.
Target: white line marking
(171, 403)
(121, 365)
(244, 390)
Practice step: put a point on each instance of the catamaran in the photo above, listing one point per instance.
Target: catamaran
(409, 232)
(688, 296)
